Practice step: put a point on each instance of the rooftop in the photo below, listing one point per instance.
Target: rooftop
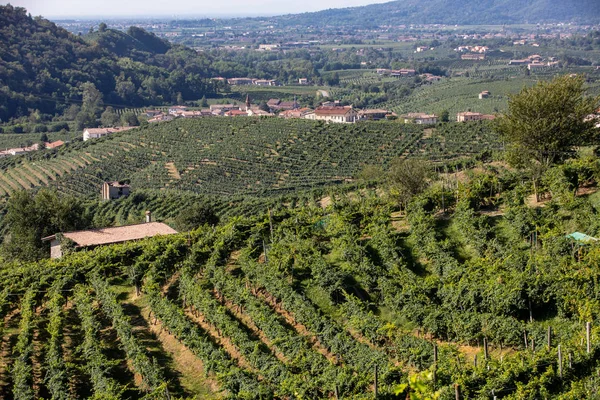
(95, 237)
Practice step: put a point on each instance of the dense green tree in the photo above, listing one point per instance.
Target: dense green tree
(130, 119)
(195, 216)
(546, 121)
(408, 178)
(109, 117)
(30, 217)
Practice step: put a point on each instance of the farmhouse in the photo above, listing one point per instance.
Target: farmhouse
(60, 243)
(220, 109)
(403, 72)
(95, 133)
(338, 114)
(114, 190)
(473, 56)
(484, 95)
(278, 105)
(473, 116)
(373, 115)
(303, 81)
(265, 82)
(298, 113)
(240, 81)
(420, 118)
(174, 110)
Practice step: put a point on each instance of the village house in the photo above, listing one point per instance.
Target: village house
(95, 133)
(430, 77)
(61, 243)
(484, 95)
(473, 116)
(303, 81)
(473, 56)
(297, 113)
(236, 113)
(403, 72)
(174, 110)
(265, 82)
(220, 109)
(421, 49)
(536, 66)
(114, 190)
(374, 115)
(240, 81)
(278, 105)
(337, 114)
(268, 47)
(420, 118)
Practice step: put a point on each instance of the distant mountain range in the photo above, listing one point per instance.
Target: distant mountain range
(462, 12)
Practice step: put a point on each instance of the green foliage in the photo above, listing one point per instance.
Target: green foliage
(32, 216)
(545, 122)
(195, 216)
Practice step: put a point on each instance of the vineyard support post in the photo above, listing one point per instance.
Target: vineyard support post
(560, 374)
(375, 382)
(485, 348)
(588, 331)
(456, 391)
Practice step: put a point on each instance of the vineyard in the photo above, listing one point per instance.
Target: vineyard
(242, 156)
(313, 301)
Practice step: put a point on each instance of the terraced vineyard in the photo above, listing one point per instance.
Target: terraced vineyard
(302, 302)
(224, 156)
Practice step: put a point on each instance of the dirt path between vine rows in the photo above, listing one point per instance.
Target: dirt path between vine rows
(246, 320)
(301, 329)
(223, 341)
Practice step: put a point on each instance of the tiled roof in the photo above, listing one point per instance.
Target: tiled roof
(95, 237)
(108, 130)
(335, 110)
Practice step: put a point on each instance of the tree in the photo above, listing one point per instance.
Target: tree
(194, 216)
(30, 217)
(109, 117)
(445, 116)
(130, 119)
(203, 102)
(408, 178)
(102, 27)
(545, 122)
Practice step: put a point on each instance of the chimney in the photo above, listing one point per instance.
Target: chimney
(148, 216)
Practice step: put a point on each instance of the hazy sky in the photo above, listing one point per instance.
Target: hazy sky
(181, 8)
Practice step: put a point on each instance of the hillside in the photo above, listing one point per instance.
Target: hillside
(42, 67)
(462, 12)
(306, 301)
(240, 156)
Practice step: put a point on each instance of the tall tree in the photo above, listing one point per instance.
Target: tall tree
(545, 122)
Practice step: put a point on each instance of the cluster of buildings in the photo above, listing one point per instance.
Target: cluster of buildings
(256, 82)
(535, 62)
(472, 49)
(396, 72)
(15, 151)
(473, 116)
(95, 133)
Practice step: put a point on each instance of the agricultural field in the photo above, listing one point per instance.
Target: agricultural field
(239, 156)
(342, 298)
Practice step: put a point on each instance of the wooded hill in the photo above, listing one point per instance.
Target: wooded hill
(42, 66)
(462, 12)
